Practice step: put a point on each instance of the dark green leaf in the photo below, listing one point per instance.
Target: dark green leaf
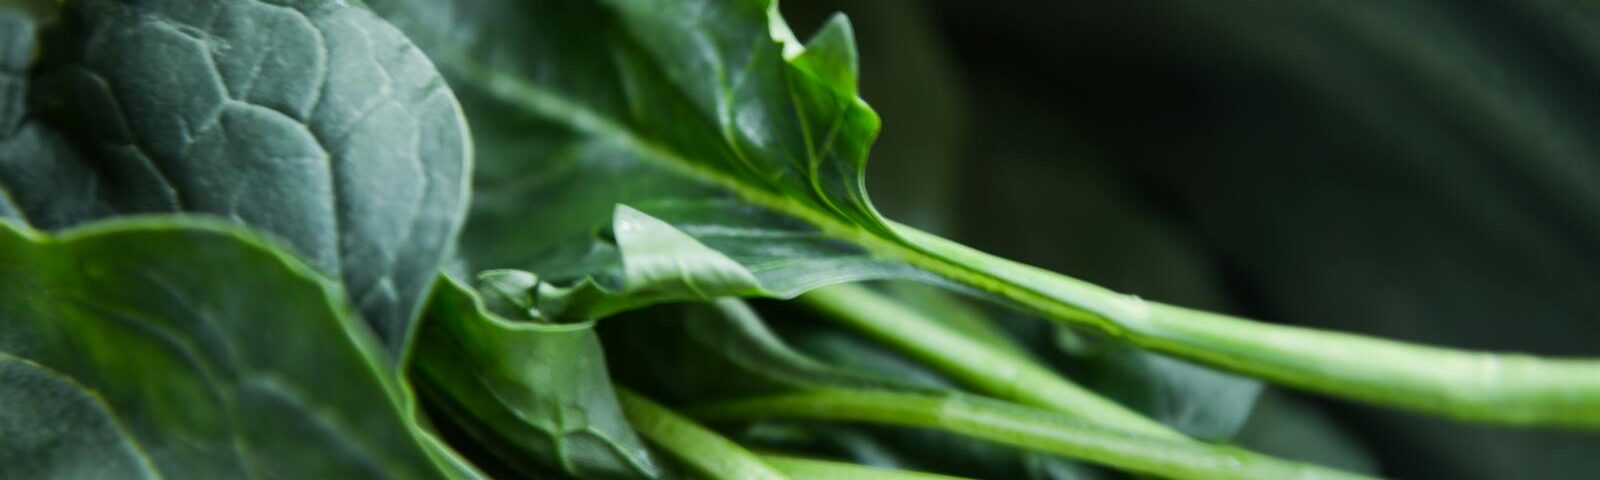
(704, 115)
(314, 121)
(57, 428)
(58, 185)
(179, 348)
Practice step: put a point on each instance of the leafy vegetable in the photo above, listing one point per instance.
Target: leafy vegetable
(680, 128)
(297, 167)
(727, 126)
(537, 395)
(314, 121)
(167, 348)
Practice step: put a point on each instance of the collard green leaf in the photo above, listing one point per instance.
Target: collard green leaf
(180, 348)
(685, 111)
(912, 81)
(314, 121)
(537, 395)
(709, 116)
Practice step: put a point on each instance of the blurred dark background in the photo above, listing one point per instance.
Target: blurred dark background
(1426, 171)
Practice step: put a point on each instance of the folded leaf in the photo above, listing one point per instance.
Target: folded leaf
(535, 394)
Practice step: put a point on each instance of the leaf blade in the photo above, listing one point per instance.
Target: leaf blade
(152, 309)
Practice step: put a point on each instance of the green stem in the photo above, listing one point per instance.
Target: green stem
(1024, 428)
(707, 452)
(799, 468)
(1495, 388)
(1508, 389)
(987, 369)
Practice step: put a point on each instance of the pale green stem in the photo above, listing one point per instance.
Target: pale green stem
(1024, 428)
(710, 454)
(799, 468)
(1496, 388)
(987, 369)
(1509, 389)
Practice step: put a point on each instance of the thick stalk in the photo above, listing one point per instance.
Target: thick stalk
(708, 453)
(1023, 428)
(1509, 389)
(980, 366)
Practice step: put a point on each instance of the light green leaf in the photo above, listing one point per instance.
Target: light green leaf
(180, 348)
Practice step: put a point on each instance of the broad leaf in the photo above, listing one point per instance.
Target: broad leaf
(535, 394)
(710, 116)
(314, 121)
(707, 116)
(179, 348)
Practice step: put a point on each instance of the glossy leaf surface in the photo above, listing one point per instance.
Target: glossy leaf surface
(705, 115)
(535, 394)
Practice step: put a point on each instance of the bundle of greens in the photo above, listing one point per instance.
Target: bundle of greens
(238, 243)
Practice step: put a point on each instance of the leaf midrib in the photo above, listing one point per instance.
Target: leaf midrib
(549, 104)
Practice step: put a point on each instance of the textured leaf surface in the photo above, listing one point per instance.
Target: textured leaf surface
(167, 348)
(314, 121)
(681, 114)
(53, 426)
(59, 186)
(537, 395)
(687, 112)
